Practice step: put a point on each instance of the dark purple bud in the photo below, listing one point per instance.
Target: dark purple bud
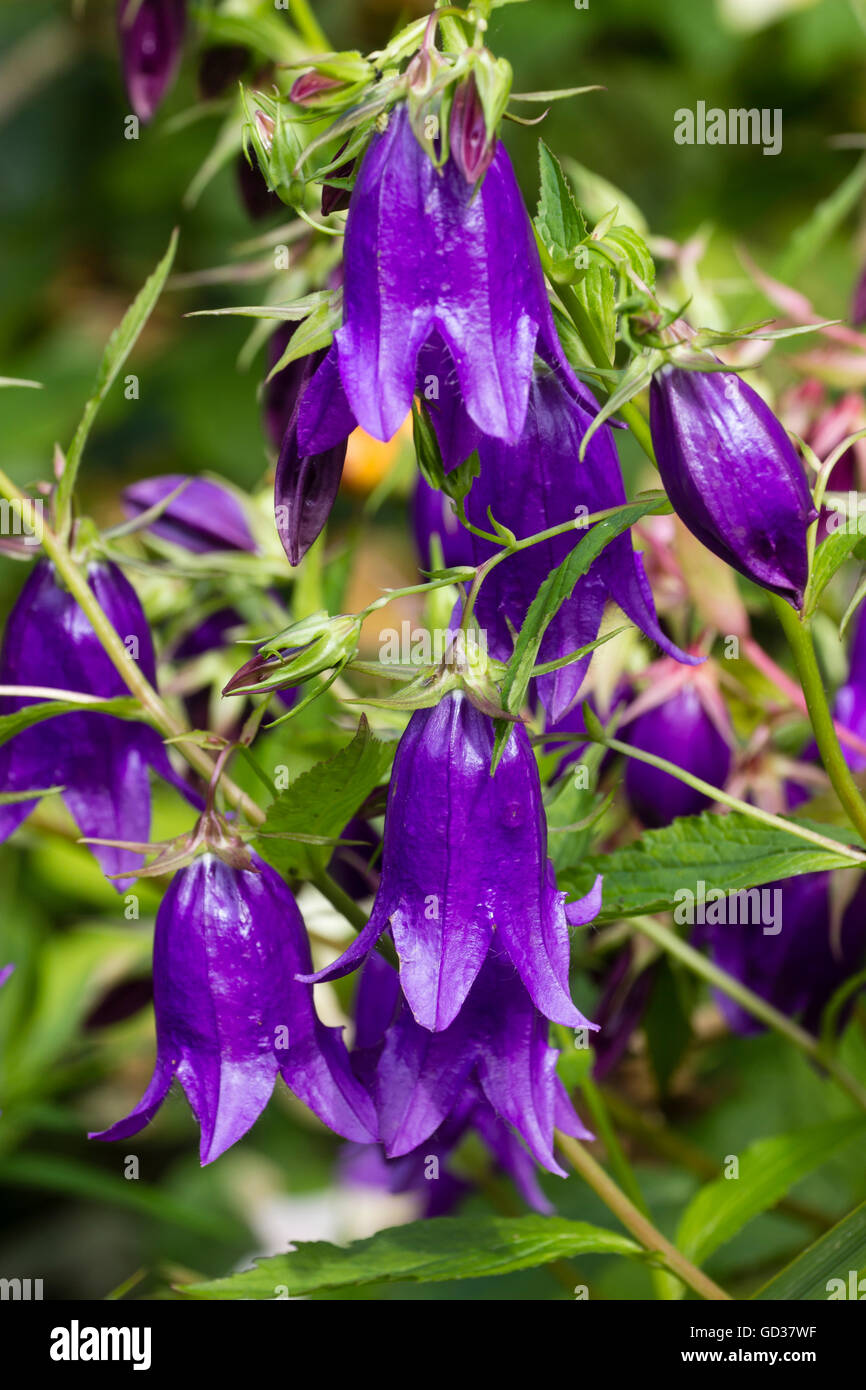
(205, 516)
(220, 67)
(683, 730)
(102, 762)
(440, 897)
(470, 148)
(230, 1013)
(258, 200)
(305, 485)
(783, 942)
(733, 476)
(151, 47)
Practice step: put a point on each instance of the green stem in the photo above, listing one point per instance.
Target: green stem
(799, 637)
(635, 1221)
(791, 827)
(752, 1003)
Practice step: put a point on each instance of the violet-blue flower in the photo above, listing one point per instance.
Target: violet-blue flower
(733, 476)
(451, 262)
(230, 1013)
(464, 860)
(535, 484)
(101, 761)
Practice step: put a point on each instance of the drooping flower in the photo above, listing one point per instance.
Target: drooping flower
(101, 761)
(204, 516)
(680, 717)
(535, 484)
(733, 476)
(498, 1042)
(795, 955)
(230, 1013)
(433, 515)
(464, 859)
(151, 45)
(424, 1170)
(452, 264)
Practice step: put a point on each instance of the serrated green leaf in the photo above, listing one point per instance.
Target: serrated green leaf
(833, 1256)
(729, 852)
(117, 349)
(422, 1252)
(321, 801)
(767, 1170)
(559, 220)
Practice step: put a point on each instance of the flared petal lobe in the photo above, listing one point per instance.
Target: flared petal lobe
(680, 730)
(733, 476)
(230, 1013)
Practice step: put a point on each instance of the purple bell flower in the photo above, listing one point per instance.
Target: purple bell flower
(498, 1043)
(151, 48)
(534, 484)
(281, 392)
(799, 967)
(433, 515)
(101, 761)
(377, 1003)
(202, 518)
(453, 264)
(465, 856)
(682, 718)
(230, 1013)
(733, 476)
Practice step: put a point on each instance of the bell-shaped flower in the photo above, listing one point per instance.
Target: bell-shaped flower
(99, 760)
(464, 862)
(230, 1013)
(306, 482)
(683, 718)
(733, 476)
(151, 44)
(537, 483)
(201, 517)
(424, 1171)
(498, 1043)
(431, 260)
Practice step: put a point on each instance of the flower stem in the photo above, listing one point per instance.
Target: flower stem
(635, 1221)
(802, 647)
(792, 827)
(753, 1003)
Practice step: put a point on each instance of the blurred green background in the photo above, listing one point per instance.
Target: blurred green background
(85, 216)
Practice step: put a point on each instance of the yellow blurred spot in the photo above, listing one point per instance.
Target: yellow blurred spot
(368, 460)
